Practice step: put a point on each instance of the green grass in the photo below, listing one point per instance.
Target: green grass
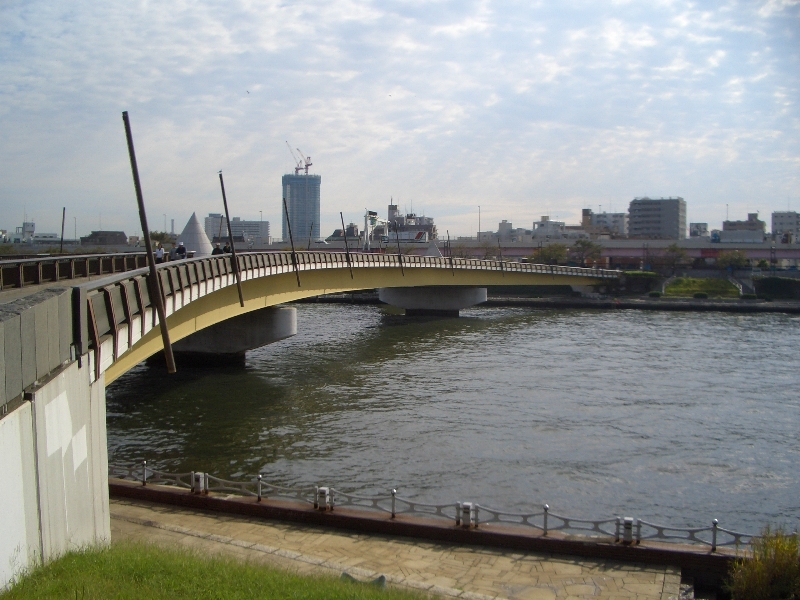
(688, 287)
(772, 571)
(144, 571)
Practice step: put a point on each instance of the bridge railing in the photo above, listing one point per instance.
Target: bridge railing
(113, 313)
(33, 271)
(465, 514)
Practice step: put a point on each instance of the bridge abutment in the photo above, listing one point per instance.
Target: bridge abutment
(439, 301)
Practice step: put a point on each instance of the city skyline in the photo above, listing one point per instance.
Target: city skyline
(525, 111)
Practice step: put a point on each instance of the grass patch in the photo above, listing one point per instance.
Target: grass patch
(771, 572)
(145, 571)
(713, 288)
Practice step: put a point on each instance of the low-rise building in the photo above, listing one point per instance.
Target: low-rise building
(105, 238)
(216, 227)
(604, 224)
(657, 218)
(547, 230)
(753, 223)
(786, 226)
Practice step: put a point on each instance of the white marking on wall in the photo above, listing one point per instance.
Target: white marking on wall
(59, 424)
(79, 451)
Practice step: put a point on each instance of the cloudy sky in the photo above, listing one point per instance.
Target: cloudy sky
(521, 108)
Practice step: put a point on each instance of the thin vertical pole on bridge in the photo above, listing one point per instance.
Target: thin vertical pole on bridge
(450, 253)
(233, 246)
(346, 246)
(291, 240)
(155, 286)
(61, 250)
(500, 254)
(399, 254)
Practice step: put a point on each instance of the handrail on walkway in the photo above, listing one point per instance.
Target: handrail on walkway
(22, 272)
(465, 514)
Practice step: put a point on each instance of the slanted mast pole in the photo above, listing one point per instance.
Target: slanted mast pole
(154, 284)
(233, 246)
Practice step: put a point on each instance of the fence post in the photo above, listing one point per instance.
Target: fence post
(616, 533)
(627, 530)
(638, 531)
(714, 524)
(259, 487)
(546, 510)
(144, 472)
(394, 494)
(459, 508)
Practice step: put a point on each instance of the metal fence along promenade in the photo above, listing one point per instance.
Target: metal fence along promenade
(465, 514)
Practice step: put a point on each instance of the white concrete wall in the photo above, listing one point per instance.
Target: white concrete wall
(54, 472)
(20, 546)
(70, 417)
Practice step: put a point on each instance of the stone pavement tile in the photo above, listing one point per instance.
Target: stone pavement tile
(446, 569)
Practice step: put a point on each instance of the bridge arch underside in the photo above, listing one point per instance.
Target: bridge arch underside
(271, 290)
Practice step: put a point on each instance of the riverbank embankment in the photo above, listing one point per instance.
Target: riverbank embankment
(734, 305)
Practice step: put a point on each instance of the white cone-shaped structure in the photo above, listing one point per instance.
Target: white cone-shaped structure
(433, 250)
(195, 238)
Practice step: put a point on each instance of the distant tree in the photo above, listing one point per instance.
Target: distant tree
(551, 255)
(675, 256)
(160, 236)
(583, 249)
(763, 264)
(735, 259)
(488, 250)
(459, 250)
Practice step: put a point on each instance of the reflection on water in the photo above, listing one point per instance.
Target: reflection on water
(675, 418)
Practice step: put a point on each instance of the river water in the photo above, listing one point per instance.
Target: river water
(676, 418)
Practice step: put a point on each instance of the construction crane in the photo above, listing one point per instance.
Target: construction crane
(306, 160)
(298, 161)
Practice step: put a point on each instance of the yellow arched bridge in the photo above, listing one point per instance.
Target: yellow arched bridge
(119, 326)
(62, 344)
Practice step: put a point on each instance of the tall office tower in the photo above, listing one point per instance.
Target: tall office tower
(302, 201)
(657, 218)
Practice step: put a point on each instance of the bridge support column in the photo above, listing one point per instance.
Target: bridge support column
(439, 300)
(227, 342)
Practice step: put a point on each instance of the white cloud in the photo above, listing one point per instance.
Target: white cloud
(519, 109)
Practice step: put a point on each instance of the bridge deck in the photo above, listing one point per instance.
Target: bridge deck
(112, 320)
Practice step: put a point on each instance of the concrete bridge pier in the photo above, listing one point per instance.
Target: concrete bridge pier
(438, 301)
(226, 342)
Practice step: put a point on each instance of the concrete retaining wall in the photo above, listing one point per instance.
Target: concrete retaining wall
(54, 467)
(35, 338)
(20, 543)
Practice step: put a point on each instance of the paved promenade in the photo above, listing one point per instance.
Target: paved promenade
(469, 572)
